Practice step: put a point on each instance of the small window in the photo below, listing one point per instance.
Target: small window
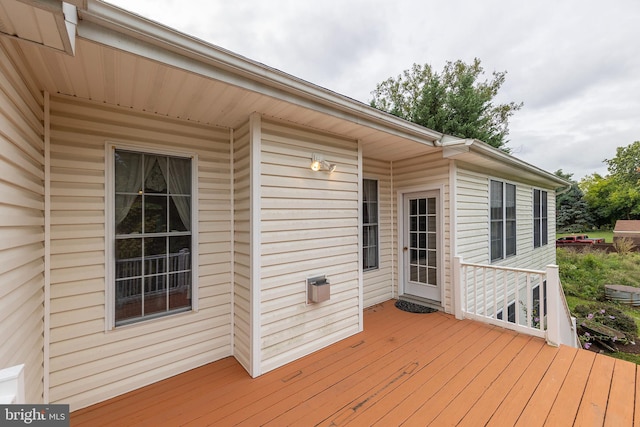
(152, 235)
(503, 220)
(369, 224)
(540, 219)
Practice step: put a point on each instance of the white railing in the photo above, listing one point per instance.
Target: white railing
(177, 265)
(526, 301)
(12, 385)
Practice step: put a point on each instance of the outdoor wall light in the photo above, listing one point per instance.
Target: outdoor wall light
(318, 164)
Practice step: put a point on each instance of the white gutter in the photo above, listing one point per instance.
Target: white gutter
(120, 29)
(454, 147)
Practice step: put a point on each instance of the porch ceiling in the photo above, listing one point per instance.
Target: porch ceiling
(409, 369)
(124, 60)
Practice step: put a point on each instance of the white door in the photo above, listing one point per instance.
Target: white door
(421, 241)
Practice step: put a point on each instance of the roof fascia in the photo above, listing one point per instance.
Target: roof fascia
(120, 29)
(455, 147)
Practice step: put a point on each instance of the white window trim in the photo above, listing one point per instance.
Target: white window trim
(377, 267)
(504, 219)
(109, 175)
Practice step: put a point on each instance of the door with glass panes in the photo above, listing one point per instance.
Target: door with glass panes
(421, 257)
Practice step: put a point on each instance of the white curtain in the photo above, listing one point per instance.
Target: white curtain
(176, 174)
(179, 181)
(128, 181)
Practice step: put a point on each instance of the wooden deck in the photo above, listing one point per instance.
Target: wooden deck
(409, 369)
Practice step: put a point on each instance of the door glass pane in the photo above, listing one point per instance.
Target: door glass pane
(413, 273)
(413, 207)
(422, 206)
(432, 241)
(422, 223)
(432, 258)
(431, 208)
(423, 240)
(432, 276)
(422, 274)
(432, 223)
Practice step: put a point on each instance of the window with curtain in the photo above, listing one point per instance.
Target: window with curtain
(540, 219)
(502, 197)
(369, 224)
(152, 235)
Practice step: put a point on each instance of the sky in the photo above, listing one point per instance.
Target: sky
(575, 65)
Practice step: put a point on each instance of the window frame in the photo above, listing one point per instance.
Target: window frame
(369, 224)
(540, 218)
(110, 231)
(505, 222)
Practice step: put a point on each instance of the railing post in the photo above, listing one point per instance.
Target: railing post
(459, 289)
(553, 305)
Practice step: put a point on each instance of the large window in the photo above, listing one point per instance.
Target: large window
(540, 219)
(152, 235)
(503, 220)
(369, 224)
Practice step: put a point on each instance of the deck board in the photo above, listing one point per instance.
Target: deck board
(416, 369)
(566, 405)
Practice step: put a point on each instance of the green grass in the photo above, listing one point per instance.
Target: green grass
(584, 273)
(607, 235)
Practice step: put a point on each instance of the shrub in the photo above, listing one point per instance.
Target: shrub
(623, 246)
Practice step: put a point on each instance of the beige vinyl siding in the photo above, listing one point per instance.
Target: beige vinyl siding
(22, 227)
(472, 211)
(309, 223)
(242, 246)
(88, 364)
(427, 172)
(379, 283)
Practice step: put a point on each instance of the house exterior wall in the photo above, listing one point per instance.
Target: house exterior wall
(309, 225)
(472, 213)
(90, 362)
(242, 246)
(379, 284)
(22, 231)
(417, 174)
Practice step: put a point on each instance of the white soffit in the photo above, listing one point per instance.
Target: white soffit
(50, 23)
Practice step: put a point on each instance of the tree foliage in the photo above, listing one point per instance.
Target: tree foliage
(617, 195)
(572, 213)
(455, 101)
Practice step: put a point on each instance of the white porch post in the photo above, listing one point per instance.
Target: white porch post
(458, 287)
(553, 305)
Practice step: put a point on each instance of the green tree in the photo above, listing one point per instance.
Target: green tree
(572, 213)
(617, 195)
(456, 101)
